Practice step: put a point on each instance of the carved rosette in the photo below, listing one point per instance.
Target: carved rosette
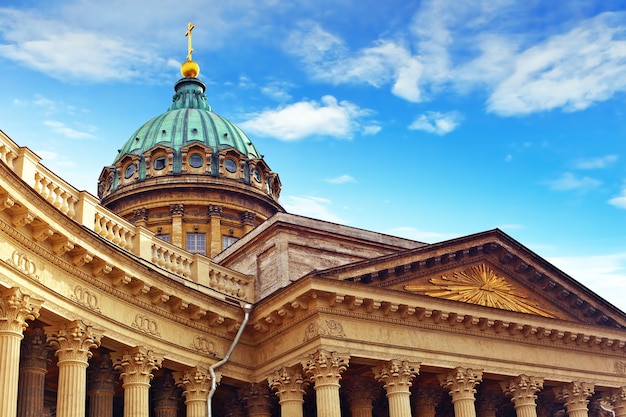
(136, 364)
(396, 375)
(461, 382)
(288, 383)
(196, 383)
(523, 389)
(575, 396)
(325, 368)
(15, 308)
(74, 340)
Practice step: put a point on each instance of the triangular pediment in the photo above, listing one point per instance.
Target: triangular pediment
(488, 269)
(482, 284)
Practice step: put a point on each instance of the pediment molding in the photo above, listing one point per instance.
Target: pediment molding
(523, 269)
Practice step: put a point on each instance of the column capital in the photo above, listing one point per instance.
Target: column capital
(74, 340)
(288, 383)
(575, 395)
(617, 399)
(396, 375)
(35, 349)
(257, 398)
(325, 368)
(461, 381)
(361, 392)
(196, 383)
(101, 376)
(523, 389)
(15, 308)
(136, 364)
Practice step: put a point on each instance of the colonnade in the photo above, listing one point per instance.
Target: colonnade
(24, 358)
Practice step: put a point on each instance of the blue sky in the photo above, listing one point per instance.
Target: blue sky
(424, 119)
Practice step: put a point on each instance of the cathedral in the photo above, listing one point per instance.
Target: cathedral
(184, 289)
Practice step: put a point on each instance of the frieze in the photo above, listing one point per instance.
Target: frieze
(323, 328)
(146, 325)
(86, 298)
(620, 367)
(204, 345)
(24, 264)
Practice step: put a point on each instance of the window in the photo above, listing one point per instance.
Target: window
(228, 241)
(159, 163)
(196, 243)
(196, 160)
(165, 237)
(230, 165)
(257, 175)
(130, 170)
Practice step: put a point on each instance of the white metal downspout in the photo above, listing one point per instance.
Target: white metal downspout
(247, 308)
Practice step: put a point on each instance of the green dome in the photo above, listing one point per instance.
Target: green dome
(189, 119)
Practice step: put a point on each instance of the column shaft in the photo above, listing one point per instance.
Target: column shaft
(325, 368)
(9, 372)
(136, 366)
(31, 392)
(15, 308)
(73, 342)
(101, 403)
(461, 383)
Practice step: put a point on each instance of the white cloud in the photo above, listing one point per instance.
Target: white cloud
(597, 163)
(568, 181)
(277, 91)
(385, 62)
(371, 129)
(435, 122)
(620, 200)
(420, 235)
(314, 207)
(342, 179)
(67, 131)
(605, 274)
(307, 118)
(570, 71)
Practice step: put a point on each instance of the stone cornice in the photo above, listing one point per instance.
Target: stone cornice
(349, 299)
(495, 246)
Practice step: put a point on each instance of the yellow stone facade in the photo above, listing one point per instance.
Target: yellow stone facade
(100, 317)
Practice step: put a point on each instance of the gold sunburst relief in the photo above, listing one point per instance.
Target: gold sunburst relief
(479, 284)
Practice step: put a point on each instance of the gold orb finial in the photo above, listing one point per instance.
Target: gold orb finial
(189, 67)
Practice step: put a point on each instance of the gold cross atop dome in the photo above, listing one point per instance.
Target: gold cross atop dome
(189, 69)
(190, 27)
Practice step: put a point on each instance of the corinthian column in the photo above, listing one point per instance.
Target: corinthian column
(165, 396)
(73, 342)
(427, 396)
(257, 399)
(15, 308)
(324, 369)
(617, 399)
(461, 384)
(361, 393)
(523, 392)
(396, 376)
(33, 369)
(136, 366)
(196, 383)
(289, 385)
(101, 386)
(575, 396)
